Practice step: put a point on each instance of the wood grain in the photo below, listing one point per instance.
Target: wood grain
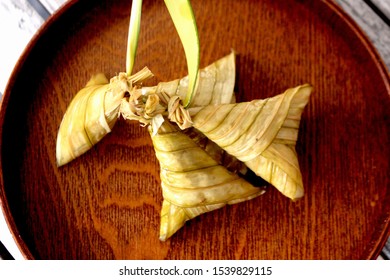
(106, 204)
(374, 27)
(383, 5)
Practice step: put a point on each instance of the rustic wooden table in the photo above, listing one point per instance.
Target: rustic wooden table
(19, 20)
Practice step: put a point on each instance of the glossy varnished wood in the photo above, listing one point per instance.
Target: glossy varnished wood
(106, 204)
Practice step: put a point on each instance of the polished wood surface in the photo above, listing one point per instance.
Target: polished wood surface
(106, 204)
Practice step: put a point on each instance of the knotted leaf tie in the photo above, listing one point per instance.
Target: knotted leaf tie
(151, 109)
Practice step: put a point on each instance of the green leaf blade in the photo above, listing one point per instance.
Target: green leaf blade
(184, 20)
(132, 39)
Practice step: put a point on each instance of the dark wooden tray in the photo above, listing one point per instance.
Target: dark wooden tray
(106, 204)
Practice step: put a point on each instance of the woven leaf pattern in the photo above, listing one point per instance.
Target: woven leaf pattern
(262, 134)
(193, 182)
